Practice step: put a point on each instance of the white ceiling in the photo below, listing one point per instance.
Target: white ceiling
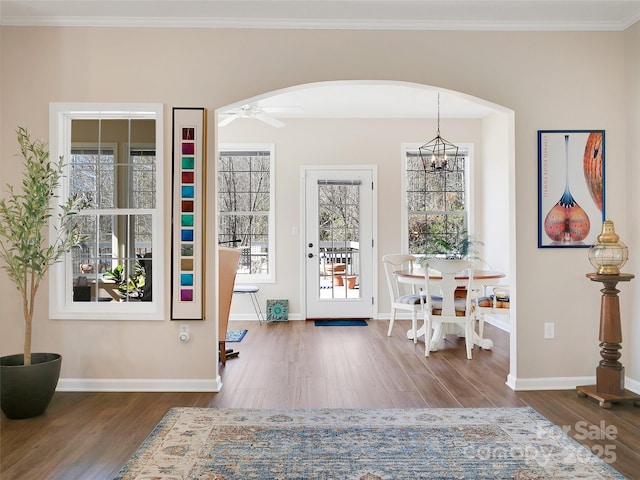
(367, 99)
(370, 14)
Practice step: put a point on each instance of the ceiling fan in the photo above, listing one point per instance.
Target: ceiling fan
(254, 111)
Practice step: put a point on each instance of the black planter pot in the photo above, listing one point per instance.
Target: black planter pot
(26, 391)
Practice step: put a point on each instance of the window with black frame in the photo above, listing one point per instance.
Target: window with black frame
(436, 202)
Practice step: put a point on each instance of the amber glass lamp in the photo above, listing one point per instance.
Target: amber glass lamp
(609, 253)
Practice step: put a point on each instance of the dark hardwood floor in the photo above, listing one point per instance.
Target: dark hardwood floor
(295, 364)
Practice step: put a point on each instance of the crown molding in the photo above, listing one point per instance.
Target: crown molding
(500, 15)
(307, 24)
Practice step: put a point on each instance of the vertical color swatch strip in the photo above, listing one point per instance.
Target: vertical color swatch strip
(187, 215)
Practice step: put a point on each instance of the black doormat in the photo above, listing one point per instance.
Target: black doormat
(347, 322)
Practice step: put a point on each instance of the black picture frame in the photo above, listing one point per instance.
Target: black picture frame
(188, 214)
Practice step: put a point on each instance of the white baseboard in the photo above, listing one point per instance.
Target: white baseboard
(498, 321)
(561, 383)
(138, 385)
(200, 385)
(548, 383)
(254, 317)
(632, 385)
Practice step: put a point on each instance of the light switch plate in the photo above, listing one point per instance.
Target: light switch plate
(549, 330)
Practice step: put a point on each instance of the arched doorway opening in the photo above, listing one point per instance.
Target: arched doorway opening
(306, 124)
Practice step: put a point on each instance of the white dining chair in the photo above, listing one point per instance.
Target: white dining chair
(443, 305)
(494, 300)
(403, 296)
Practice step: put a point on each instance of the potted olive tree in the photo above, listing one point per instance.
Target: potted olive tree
(28, 380)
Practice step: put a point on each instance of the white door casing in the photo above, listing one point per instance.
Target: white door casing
(338, 241)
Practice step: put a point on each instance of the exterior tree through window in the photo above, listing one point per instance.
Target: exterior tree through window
(245, 206)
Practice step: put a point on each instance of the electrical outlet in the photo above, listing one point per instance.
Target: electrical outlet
(549, 330)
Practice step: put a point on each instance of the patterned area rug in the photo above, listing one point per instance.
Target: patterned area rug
(360, 444)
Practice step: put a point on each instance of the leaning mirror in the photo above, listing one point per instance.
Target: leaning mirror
(113, 159)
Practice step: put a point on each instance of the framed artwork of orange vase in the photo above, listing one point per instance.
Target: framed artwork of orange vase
(571, 206)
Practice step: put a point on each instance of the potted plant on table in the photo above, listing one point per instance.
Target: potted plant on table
(28, 380)
(459, 246)
(132, 286)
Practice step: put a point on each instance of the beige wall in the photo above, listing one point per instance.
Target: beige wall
(337, 142)
(631, 314)
(551, 80)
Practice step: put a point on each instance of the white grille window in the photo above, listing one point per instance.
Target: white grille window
(113, 158)
(246, 208)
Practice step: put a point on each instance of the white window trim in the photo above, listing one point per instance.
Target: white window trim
(468, 176)
(270, 147)
(61, 304)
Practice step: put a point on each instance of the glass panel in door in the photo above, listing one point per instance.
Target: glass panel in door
(339, 243)
(339, 238)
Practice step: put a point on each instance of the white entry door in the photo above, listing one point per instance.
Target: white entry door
(338, 241)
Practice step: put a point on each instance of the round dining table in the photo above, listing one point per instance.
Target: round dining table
(481, 278)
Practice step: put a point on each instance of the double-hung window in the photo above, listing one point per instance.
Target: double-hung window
(246, 208)
(436, 201)
(113, 159)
